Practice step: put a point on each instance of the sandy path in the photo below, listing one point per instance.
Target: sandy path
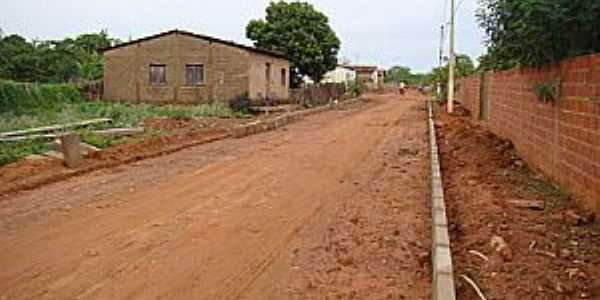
(225, 220)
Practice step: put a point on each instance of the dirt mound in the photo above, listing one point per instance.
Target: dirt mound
(516, 235)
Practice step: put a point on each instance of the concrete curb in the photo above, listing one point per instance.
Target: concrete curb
(281, 121)
(441, 257)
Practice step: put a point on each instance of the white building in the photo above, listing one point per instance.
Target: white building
(341, 74)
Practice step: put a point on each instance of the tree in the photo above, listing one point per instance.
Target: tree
(538, 32)
(53, 61)
(397, 74)
(300, 32)
(464, 67)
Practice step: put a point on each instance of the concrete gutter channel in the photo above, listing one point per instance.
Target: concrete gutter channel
(443, 277)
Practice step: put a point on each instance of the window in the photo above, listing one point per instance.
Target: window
(158, 74)
(194, 74)
(283, 77)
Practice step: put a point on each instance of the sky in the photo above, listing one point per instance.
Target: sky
(379, 32)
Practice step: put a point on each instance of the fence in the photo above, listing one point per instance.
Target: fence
(318, 94)
(90, 90)
(552, 116)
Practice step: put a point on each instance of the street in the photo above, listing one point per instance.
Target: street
(335, 205)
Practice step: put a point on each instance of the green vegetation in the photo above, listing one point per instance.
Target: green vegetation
(53, 61)
(397, 74)
(464, 68)
(355, 88)
(25, 105)
(546, 92)
(19, 150)
(532, 33)
(300, 32)
(241, 104)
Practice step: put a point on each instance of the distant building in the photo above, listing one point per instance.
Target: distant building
(341, 74)
(369, 75)
(380, 77)
(184, 67)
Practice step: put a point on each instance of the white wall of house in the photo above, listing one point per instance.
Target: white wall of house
(340, 75)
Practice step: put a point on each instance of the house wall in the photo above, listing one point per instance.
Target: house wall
(260, 87)
(227, 71)
(560, 138)
(339, 75)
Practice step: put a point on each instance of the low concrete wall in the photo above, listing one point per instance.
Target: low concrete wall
(262, 126)
(443, 277)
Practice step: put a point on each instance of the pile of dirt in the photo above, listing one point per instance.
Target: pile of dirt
(513, 233)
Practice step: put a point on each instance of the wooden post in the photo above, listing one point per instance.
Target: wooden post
(72, 151)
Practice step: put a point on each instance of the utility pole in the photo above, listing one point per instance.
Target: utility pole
(442, 33)
(442, 45)
(452, 62)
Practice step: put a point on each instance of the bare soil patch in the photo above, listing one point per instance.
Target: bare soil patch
(170, 134)
(502, 238)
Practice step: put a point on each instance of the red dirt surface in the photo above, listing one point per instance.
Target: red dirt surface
(175, 135)
(552, 253)
(332, 207)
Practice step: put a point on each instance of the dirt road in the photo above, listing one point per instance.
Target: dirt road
(333, 206)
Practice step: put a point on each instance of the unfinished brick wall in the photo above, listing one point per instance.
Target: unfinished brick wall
(560, 138)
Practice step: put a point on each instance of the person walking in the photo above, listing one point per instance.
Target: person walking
(402, 88)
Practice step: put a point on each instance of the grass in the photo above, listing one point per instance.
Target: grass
(25, 106)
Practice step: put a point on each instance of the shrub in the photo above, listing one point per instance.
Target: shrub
(241, 104)
(355, 88)
(15, 151)
(18, 98)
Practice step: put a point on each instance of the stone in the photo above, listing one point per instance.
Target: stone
(528, 204)
(501, 247)
(565, 253)
(572, 218)
(71, 150)
(346, 260)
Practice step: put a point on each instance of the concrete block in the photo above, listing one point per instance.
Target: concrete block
(440, 236)
(87, 148)
(442, 260)
(35, 157)
(437, 190)
(438, 203)
(443, 288)
(240, 131)
(71, 150)
(439, 217)
(54, 154)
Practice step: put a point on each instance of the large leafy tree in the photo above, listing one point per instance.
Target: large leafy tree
(302, 33)
(538, 32)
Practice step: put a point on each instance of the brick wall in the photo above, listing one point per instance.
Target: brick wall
(560, 138)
